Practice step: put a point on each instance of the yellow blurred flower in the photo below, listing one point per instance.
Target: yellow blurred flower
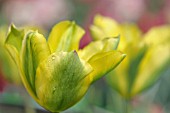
(147, 56)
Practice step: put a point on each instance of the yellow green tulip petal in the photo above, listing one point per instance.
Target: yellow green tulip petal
(39, 46)
(8, 67)
(13, 45)
(118, 78)
(34, 51)
(154, 62)
(157, 35)
(95, 47)
(104, 27)
(104, 62)
(130, 36)
(59, 80)
(2, 34)
(65, 36)
(15, 37)
(13, 42)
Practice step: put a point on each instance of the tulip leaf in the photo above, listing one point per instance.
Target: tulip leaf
(104, 62)
(104, 27)
(95, 47)
(59, 80)
(65, 36)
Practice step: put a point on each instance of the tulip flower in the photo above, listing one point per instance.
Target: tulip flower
(55, 72)
(146, 57)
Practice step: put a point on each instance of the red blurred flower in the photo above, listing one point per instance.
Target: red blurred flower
(149, 20)
(2, 81)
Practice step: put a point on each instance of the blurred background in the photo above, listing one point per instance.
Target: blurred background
(100, 98)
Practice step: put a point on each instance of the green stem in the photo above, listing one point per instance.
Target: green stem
(127, 106)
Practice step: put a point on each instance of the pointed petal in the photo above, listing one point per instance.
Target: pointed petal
(156, 59)
(65, 36)
(34, 50)
(95, 47)
(40, 48)
(151, 67)
(13, 45)
(15, 37)
(104, 62)
(59, 80)
(157, 35)
(104, 27)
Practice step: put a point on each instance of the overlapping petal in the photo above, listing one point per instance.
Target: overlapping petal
(65, 36)
(55, 75)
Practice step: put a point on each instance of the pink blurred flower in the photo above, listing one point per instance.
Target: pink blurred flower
(87, 1)
(156, 109)
(36, 12)
(128, 10)
(120, 10)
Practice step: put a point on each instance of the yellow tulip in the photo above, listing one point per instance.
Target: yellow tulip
(55, 72)
(147, 56)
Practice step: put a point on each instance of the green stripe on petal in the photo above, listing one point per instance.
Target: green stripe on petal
(14, 54)
(35, 49)
(104, 62)
(59, 80)
(13, 45)
(95, 47)
(40, 48)
(65, 36)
